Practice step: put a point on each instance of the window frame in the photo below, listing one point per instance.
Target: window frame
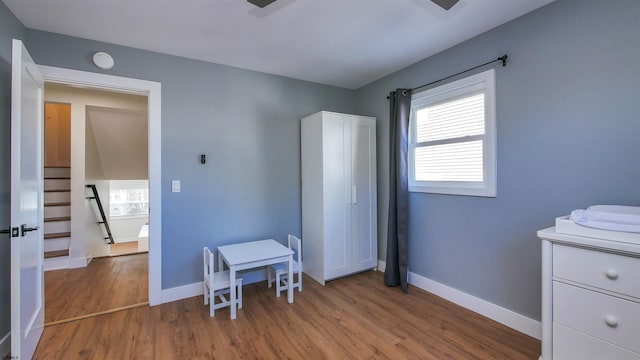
(481, 82)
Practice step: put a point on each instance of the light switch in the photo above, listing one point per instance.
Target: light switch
(175, 185)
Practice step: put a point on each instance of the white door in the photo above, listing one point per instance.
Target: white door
(364, 205)
(337, 195)
(27, 287)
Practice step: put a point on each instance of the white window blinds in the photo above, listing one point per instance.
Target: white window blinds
(454, 124)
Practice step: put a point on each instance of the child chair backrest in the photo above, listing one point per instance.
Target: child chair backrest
(295, 244)
(208, 265)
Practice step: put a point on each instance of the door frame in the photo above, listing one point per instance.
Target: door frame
(152, 90)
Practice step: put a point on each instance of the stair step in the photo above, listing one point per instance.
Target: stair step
(57, 244)
(57, 211)
(59, 173)
(59, 226)
(57, 235)
(57, 196)
(57, 190)
(57, 253)
(58, 204)
(61, 218)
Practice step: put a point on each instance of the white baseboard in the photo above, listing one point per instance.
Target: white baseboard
(182, 292)
(64, 262)
(195, 289)
(125, 240)
(494, 312)
(78, 262)
(5, 345)
(56, 263)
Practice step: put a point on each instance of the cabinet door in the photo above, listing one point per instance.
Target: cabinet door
(364, 196)
(336, 187)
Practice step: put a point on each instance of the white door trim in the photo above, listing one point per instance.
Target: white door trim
(152, 90)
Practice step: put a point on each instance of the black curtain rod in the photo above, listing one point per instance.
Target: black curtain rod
(502, 58)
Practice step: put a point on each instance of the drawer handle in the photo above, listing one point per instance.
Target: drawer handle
(611, 274)
(611, 321)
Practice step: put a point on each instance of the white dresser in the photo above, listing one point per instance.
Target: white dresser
(590, 298)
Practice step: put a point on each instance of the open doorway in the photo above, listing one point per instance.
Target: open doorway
(109, 166)
(152, 90)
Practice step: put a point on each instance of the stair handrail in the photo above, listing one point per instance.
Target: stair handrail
(96, 197)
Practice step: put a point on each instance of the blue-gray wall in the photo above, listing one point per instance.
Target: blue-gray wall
(568, 122)
(10, 28)
(248, 125)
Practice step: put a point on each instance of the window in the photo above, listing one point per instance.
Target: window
(128, 197)
(452, 139)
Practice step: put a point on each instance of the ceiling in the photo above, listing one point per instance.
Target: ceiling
(346, 43)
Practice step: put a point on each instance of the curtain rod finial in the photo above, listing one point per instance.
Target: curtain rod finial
(504, 58)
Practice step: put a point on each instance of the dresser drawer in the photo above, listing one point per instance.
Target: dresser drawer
(569, 344)
(603, 316)
(608, 271)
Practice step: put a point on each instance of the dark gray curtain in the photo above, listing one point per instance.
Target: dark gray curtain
(398, 228)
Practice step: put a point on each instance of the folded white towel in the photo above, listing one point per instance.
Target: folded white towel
(609, 217)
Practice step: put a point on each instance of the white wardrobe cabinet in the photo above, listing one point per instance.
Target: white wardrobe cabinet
(339, 200)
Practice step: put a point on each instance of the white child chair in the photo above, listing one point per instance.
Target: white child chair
(281, 270)
(217, 284)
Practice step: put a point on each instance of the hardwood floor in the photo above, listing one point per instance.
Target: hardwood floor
(352, 318)
(124, 248)
(106, 283)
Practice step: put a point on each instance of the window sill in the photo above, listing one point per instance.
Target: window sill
(479, 192)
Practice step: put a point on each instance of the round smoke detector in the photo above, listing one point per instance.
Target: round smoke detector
(103, 60)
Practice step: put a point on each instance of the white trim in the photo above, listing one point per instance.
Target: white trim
(56, 263)
(195, 289)
(126, 240)
(182, 292)
(494, 312)
(5, 345)
(152, 90)
(78, 262)
(484, 82)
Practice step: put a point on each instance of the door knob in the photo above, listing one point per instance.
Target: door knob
(24, 229)
(13, 231)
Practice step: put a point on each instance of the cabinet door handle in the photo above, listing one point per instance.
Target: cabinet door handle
(611, 274)
(611, 321)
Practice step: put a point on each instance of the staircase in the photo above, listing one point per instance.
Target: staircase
(57, 214)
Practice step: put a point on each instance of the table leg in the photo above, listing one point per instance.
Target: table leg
(232, 290)
(290, 280)
(220, 264)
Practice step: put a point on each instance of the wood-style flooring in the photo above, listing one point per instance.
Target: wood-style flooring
(105, 284)
(123, 248)
(351, 318)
